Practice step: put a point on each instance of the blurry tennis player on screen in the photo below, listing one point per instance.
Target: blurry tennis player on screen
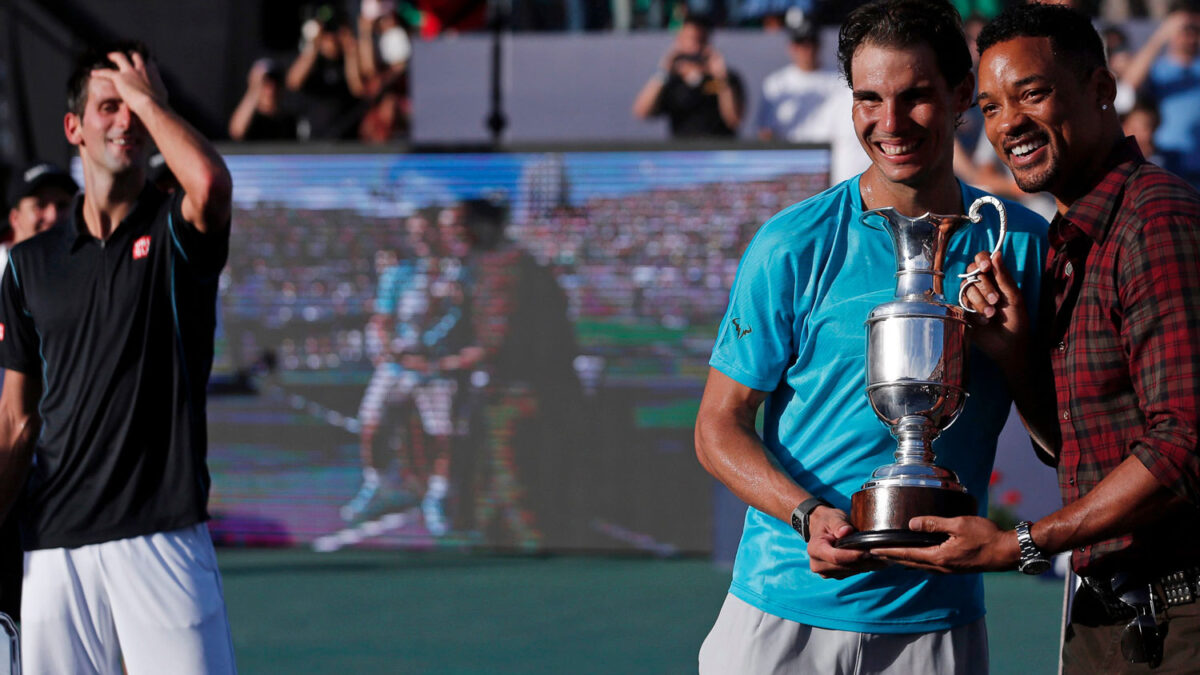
(409, 405)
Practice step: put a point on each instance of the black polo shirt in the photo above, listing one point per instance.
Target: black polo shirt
(122, 333)
(695, 112)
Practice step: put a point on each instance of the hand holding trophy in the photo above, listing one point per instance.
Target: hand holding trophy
(917, 351)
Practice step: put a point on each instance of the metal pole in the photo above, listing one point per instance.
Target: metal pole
(498, 13)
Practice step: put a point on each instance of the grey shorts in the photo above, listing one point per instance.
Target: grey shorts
(747, 641)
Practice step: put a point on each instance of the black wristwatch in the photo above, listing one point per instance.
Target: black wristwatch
(1033, 560)
(802, 512)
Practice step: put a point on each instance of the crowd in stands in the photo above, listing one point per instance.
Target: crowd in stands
(668, 254)
(349, 79)
(301, 282)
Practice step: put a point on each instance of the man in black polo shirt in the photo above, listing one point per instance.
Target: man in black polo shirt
(106, 337)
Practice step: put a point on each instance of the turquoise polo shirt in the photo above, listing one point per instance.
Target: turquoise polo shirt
(795, 327)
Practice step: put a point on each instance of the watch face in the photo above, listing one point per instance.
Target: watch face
(798, 526)
(1035, 566)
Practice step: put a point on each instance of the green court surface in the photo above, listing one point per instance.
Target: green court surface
(294, 611)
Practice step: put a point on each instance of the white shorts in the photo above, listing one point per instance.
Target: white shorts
(153, 602)
(747, 641)
(391, 384)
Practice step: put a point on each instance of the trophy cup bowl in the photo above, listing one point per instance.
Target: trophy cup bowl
(917, 354)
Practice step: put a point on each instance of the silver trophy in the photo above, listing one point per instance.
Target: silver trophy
(917, 353)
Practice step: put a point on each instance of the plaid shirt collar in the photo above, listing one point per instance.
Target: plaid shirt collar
(1092, 214)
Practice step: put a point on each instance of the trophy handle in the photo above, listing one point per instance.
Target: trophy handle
(975, 216)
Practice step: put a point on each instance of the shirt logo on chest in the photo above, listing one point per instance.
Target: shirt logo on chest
(141, 248)
(1, 332)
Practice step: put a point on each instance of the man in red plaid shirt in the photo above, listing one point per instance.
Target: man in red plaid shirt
(1109, 385)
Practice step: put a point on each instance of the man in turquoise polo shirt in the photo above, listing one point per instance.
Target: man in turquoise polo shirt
(793, 340)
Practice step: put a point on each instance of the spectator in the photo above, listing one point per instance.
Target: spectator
(1116, 45)
(1167, 71)
(37, 197)
(1141, 122)
(260, 116)
(384, 49)
(326, 75)
(693, 87)
(803, 104)
(383, 45)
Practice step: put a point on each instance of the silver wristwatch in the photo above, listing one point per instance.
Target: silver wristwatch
(1033, 560)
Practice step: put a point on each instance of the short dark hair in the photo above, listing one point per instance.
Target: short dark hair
(487, 211)
(96, 58)
(702, 21)
(1073, 38)
(908, 23)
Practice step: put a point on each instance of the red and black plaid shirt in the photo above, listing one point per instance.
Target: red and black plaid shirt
(1124, 268)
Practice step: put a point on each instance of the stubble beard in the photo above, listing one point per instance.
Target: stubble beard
(1037, 179)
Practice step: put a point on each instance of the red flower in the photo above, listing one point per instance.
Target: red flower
(1010, 497)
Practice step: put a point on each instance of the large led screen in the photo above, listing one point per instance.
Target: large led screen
(500, 349)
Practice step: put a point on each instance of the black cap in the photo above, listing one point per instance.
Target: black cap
(35, 177)
(804, 33)
(799, 27)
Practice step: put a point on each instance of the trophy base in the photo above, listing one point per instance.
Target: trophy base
(891, 539)
(881, 515)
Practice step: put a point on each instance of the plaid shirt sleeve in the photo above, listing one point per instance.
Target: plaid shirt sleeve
(1159, 288)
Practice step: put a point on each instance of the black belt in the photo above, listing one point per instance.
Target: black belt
(1180, 587)
(1141, 600)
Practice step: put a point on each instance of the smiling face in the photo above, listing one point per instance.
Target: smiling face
(904, 112)
(38, 212)
(1044, 122)
(108, 134)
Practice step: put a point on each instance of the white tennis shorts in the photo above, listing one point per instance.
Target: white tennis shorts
(747, 640)
(392, 384)
(152, 602)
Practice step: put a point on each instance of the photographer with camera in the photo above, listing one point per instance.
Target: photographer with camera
(693, 87)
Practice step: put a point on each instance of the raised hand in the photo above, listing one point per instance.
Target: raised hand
(1001, 320)
(715, 62)
(135, 79)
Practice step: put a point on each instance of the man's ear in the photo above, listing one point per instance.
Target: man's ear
(1104, 87)
(72, 125)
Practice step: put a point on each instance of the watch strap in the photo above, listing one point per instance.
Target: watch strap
(1033, 559)
(802, 512)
